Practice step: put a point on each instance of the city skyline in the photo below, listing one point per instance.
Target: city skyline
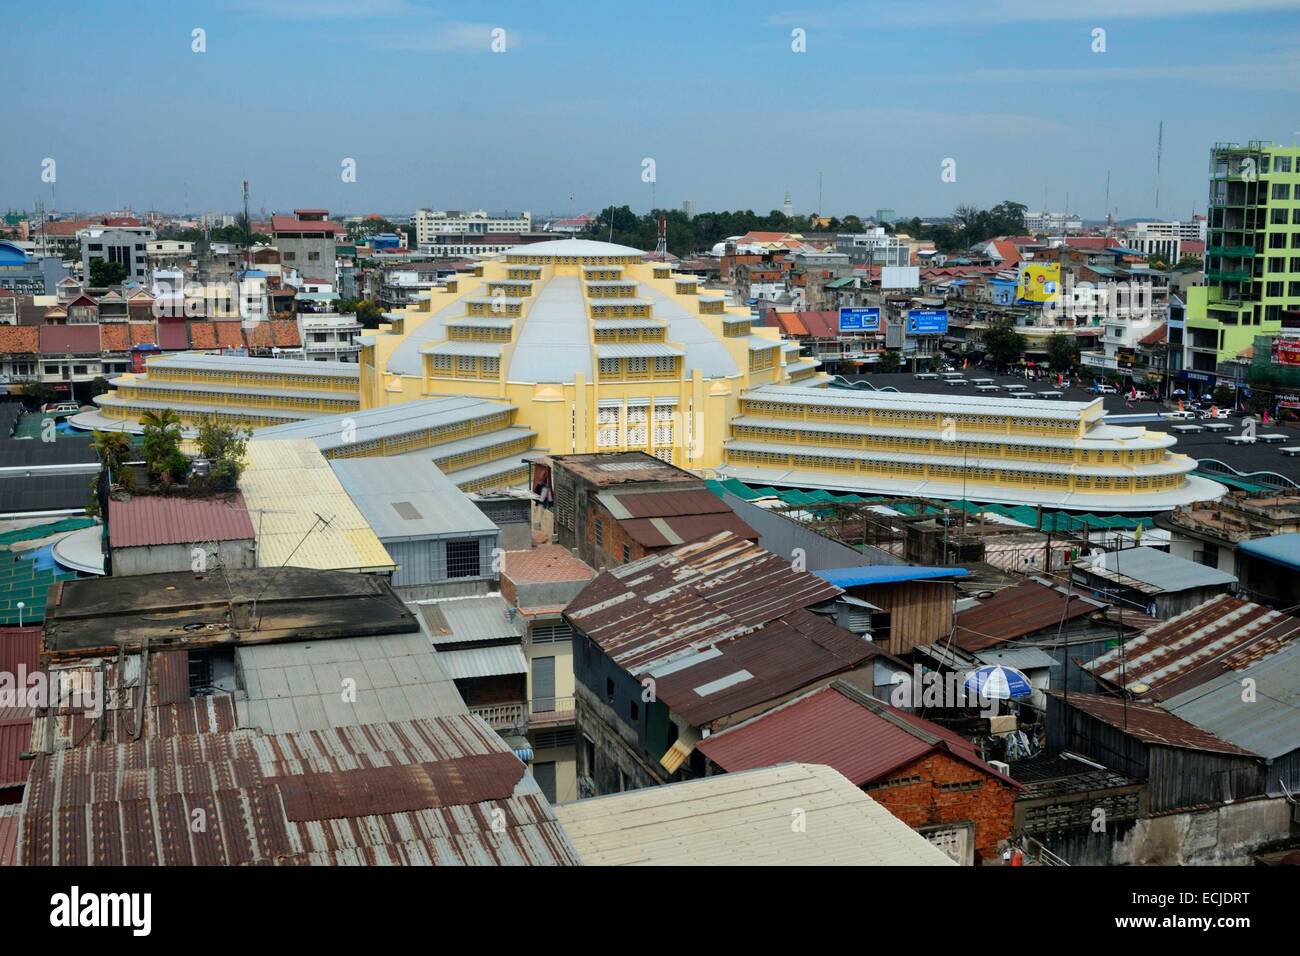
(564, 116)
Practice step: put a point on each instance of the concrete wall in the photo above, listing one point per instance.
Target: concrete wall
(1222, 836)
(180, 557)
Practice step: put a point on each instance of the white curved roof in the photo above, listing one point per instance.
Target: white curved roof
(574, 247)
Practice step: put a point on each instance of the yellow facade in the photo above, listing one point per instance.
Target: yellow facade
(665, 404)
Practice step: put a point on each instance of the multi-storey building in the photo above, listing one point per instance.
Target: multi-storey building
(1252, 255)
(126, 246)
(1010, 450)
(306, 241)
(430, 223)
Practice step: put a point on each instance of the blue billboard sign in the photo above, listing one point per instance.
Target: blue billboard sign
(927, 321)
(859, 320)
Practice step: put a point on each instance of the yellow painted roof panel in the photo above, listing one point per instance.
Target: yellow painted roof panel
(301, 514)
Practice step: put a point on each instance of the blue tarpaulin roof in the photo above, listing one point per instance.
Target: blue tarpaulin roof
(885, 574)
(1280, 549)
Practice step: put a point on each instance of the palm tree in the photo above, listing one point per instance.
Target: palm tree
(165, 421)
(112, 448)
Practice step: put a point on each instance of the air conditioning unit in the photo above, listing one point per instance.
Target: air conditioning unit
(1000, 767)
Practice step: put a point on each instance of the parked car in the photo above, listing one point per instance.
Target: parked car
(1215, 413)
(61, 408)
(1102, 389)
(1179, 416)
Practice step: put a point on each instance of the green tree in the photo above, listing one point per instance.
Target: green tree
(1002, 343)
(224, 447)
(162, 445)
(369, 314)
(104, 273)
(113, 449)
(35, 394)
(99, 385)
(889, 361)
(1063, 352)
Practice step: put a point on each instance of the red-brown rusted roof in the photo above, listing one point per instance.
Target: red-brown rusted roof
(737, 610)
(1223, 634)
(70, 339)
(147, 520)
(1148, 723)
(1013, 612)
(115, 337)
(839, 726)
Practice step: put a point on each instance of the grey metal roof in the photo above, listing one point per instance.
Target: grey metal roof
(404, 498)
(1268, 725)
(759, 344)
(235, 363)
(628, 324)
(704, 350)
(332, 431)
(553, 344)
(912, 401)
(480, 322)
(496, 661)
(463, 620)
(1022, 658)
(638, 350)
(1155, 571)
(502, 436)
(575, 247)
(299, 687)
(405, 359)
(463, 348)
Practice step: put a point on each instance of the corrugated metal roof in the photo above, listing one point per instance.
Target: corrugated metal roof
(336, 431)
(300, 686)
(638, 350)
(407, 792)
(886, 574)
(1267, 724)
(145, 520)
(1154, 572)
(409, 497)
(460, 663)
(1283, 549)
(744, 819)
(301, 514)
(1223, 634)
(468, 619)
(228, 363)
(1149, 723)
(698, 614)
(1022, 658)
(544, 564)
(911, 401)
(861, 737)
(659, 519)
(1013, 612)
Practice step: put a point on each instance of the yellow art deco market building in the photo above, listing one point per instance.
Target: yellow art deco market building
(578, 346)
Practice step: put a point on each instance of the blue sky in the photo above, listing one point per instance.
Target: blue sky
(712, 91)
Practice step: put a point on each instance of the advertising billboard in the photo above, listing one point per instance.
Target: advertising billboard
(1039, 282)
(927, 321)
(900, 277)
(859, 320)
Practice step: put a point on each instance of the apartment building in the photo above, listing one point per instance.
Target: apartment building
(431, 222)
(1252, 255)
(127, 246)
(306, 241)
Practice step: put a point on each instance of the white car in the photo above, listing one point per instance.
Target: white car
(1107, 390)
(1215, 413)
(1183, 416)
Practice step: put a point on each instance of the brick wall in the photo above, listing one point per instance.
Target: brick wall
(927, 801)
(609, 553)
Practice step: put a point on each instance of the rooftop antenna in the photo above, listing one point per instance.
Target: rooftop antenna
(661, 247)
(1160, 146)
(1108, 203)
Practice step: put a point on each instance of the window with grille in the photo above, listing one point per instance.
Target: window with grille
(463, 559)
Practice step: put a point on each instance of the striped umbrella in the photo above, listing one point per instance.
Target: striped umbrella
(998, 682)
